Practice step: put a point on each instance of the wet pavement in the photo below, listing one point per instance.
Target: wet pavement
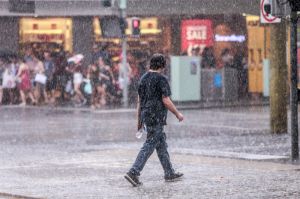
(68, 153)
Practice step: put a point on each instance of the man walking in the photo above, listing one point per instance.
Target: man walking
(153, 104)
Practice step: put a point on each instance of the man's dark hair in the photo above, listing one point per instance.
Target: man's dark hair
(157, 61)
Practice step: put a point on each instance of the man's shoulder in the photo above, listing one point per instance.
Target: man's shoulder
(148, 76)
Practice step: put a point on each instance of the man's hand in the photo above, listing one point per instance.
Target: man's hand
(169, 105)
(139, 125)
(179, 116)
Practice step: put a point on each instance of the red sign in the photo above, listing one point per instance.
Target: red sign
(196, 33)
(264, 17)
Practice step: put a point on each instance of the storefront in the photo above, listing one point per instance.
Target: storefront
(258, 50)
(218, 32)
(72, 25)
(52, 34)
(149, 38)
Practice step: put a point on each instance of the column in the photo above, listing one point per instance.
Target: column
(83, 37)
(9, 33)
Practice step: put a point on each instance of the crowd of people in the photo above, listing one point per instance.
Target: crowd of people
(46, 78)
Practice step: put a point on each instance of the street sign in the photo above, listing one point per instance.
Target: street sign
(264, 16)
(279, 9)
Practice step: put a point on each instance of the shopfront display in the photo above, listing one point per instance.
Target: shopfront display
(149, 36)
(49, 33)
(258, 50)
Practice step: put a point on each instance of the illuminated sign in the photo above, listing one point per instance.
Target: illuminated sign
(196, 33)
(230, 38)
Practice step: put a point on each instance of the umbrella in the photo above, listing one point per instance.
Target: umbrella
(76, 58)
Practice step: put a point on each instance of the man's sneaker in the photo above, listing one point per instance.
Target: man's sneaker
(173, 177)
(133, 179)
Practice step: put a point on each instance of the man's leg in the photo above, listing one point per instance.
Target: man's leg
(144, 153)
(163, 155)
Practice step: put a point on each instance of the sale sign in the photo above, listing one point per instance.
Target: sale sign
(196, 33)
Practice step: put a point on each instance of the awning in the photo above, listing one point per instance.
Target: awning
(138, 7)
(192, 7)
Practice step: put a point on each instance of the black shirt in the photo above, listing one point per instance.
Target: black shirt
(152, 87)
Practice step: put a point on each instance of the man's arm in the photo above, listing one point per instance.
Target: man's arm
(171, 107)
(139, 122)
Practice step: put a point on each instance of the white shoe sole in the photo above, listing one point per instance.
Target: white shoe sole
(129, 179)
(175, 179)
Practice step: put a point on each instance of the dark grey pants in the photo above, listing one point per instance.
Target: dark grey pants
(156, 139)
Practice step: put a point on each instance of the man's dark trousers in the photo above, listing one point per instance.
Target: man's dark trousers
(156, 139)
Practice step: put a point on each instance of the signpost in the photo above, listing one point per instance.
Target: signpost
(123, 6)
(283, 9)
(294, 82)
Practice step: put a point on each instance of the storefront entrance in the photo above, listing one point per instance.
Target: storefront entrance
(53, 34)
(258, 50)
(149, 39)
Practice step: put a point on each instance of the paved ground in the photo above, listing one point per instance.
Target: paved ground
(61, 153)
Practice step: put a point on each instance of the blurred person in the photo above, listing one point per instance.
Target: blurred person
(86, 87)
(9, 80)
(208, 58)
(25, 84)
(78, 78)
(15, 67)
(107, 80)
(122, 74)
(95, 53)
(240, 64)
(104, 54)
(195, 51)
(49, 72)
(40, 79)
(28, 54)
(134, 79)
(153, 104)
(60, 78)
(227, 58)
(98, 94)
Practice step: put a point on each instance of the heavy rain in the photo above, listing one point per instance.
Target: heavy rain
(149, 99)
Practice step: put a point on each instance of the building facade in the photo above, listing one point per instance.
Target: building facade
(172, 26)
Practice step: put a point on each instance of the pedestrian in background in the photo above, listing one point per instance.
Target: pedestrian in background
(153, 103)
(25, 84)
(9, 80)
(40, 80)
(208, 59)
(49, 72)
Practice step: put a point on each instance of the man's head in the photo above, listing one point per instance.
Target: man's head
(47, 55)
(157, 62)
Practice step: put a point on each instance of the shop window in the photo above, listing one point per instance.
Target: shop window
(150, 35)
(46, 34)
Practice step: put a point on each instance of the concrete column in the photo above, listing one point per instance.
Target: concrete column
(83, 37)
(176, 35)
(9, 33)
(278, 86)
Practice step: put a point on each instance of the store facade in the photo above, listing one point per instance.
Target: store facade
(74, 25)
(173, 27)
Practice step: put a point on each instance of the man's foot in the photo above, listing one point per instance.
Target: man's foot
(133, 179)
(173, 177)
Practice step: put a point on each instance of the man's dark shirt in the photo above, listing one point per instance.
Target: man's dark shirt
(152, 87)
